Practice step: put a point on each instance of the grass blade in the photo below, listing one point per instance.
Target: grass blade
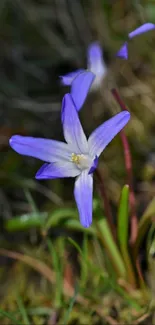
(23, 312)
(71, 304)
(123, 217)
(58, 272)
(112, 250)
(84, 264)
(31, 201)
(144, 224)
(59, 215)
(73, 242)
(26, 221)
(9, 316)
(122, 231)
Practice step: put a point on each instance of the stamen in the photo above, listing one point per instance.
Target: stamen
(82, 161)
(75, 158)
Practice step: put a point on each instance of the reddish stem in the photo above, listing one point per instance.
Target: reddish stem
(128, 165)
(118, 99)
(107, 207)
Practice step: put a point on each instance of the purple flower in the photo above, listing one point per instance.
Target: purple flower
(123, 51)
(77, 157)
(95, 64)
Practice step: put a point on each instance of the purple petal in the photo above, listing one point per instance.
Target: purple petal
(80, 88)
(94, 53)
(95, 60)
(142, 29)
(73, 131)
(83, 193)
(59, 169)
(69, 77)
(94, 165)
(123, 51)
(43, 149)
(103, 135)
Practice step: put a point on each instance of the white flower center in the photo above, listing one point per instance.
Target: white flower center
(82, 161)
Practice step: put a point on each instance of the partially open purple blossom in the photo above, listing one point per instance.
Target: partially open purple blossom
(123, 51)
(77, 157)
(95, 64)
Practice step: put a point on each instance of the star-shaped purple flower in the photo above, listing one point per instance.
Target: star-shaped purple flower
(78, 157)
(123, 51)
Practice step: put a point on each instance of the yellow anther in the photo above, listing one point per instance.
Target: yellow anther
(75, 158)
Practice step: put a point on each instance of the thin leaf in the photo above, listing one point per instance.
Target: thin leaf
(31, 201)
(71, 304)
(58, 272)
(144, 224)
(150, 237)
(151, 251)
(112, 250)
(84, 264)
(91, 265)
(74, 224)
(9, 316)
(73, 242)
(123, 217)
(123, 225)
(26, 221)
(58, 215)
(23, 312)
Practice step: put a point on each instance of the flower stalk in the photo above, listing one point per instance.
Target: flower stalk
(128, 166)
